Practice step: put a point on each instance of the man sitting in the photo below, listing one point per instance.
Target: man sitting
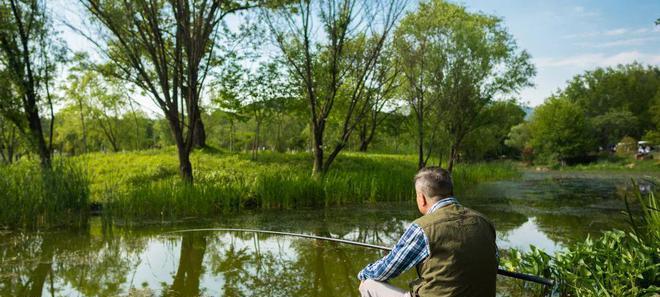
(452, 247)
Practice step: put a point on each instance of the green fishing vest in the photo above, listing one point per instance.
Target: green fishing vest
(463, 254)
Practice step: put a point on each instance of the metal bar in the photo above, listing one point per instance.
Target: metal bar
(500, 271)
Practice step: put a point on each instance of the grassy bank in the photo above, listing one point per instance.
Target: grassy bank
(145, 185)
(627, 165)
(32, 197)
(610, 163)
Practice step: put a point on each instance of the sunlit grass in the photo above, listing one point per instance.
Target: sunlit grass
(145, 185)
(31, 197)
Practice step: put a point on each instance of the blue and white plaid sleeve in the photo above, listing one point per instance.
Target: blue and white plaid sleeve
(411, 250)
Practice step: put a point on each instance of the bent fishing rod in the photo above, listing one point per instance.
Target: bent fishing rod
(500, 271)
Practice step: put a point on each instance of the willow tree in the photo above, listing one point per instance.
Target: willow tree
(457, 64)
(166, 48)
(328, 72)
(28, 56)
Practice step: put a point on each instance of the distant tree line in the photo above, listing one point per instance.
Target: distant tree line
(592, 114)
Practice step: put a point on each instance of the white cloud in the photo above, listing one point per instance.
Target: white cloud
(599, 60)
(583, 12)
(614, 32)
(621, 42)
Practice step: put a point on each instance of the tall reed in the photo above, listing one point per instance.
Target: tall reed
(32, 197)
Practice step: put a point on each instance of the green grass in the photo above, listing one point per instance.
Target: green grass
(145, 185)
(34, 198)
(616, 163)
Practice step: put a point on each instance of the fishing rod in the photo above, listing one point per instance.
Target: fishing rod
(500, 271)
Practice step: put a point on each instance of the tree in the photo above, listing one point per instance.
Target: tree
(227, 97)
(9, 141)
(519, 136)
(323, 65)
(610, 127)
(560, 130)
(76, 90)
(625, 88)
(265, 90)
(166, 49)
(488, 141)
(456, 64)
(380, 92)
(28, 53)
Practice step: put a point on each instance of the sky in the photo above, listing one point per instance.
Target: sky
(564, 38)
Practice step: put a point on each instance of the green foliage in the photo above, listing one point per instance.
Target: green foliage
(519, 136)
(613, 125)
(33, 197)
(560, 130)
(616, 264)
(488, 141)
(456, 63)
(625, 88)
(144, 185)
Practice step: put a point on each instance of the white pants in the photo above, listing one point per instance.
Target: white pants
(372, 288)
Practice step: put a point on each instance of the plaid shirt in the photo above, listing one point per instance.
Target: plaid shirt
(412, 249)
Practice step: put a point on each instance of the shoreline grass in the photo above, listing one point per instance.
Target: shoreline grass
(144, 185)
(226, 183)
(33, 198)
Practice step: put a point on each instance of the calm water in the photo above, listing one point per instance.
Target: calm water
(547, 210)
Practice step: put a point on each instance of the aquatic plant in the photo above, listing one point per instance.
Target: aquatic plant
(618, 263)
(33, 197)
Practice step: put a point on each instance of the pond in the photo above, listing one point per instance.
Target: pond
(549, 210)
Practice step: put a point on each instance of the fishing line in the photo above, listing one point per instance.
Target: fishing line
(500, 271)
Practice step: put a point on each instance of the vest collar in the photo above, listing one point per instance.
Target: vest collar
(442, 203)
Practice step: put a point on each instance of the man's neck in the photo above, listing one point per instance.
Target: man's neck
(442, 203)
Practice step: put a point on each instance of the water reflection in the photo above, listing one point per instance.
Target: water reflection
(547, 211)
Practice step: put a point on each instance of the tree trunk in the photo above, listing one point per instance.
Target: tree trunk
(362, 133)
(38, 137)
(317, 135)
(420, 142)
(231, 136)
(84, 128)
(452, 157)
(185, 167)
(199, 134)
(364, 145)
(255, 144)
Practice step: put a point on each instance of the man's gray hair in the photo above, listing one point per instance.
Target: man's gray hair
(434, 182)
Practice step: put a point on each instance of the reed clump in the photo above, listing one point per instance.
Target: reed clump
(33, 197)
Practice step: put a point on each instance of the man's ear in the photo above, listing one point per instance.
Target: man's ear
(424, 201)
